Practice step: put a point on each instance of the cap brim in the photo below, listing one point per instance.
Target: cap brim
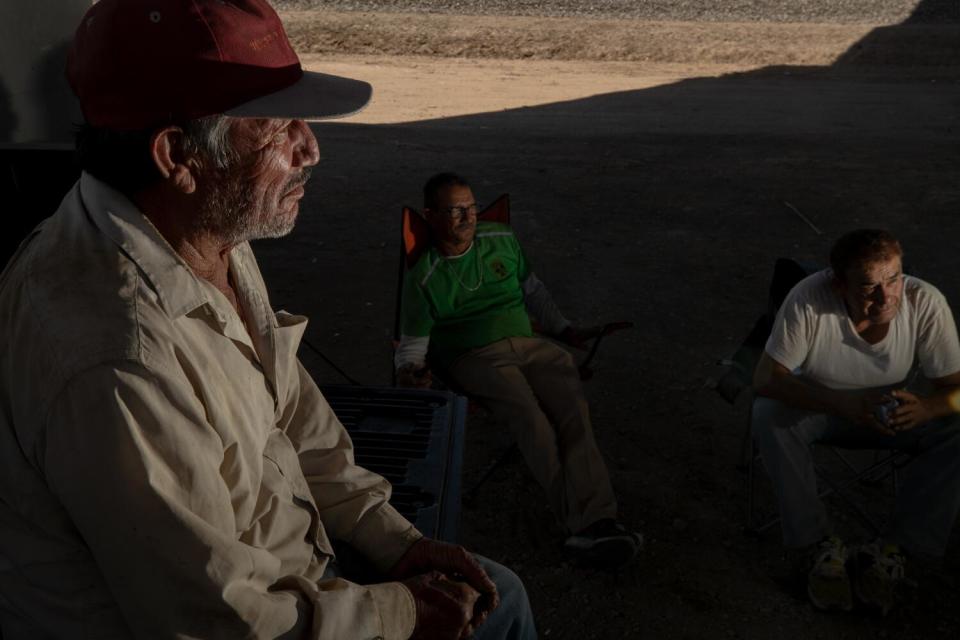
(315, 96)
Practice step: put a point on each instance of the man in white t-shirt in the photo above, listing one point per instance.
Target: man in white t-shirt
(844, 344)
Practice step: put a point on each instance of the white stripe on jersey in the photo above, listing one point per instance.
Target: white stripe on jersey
(430, 271)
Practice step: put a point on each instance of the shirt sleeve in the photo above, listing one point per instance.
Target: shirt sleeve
(353, 502)
(130, 455)
(411, 350)
(541, 307)
(938, 350)
(416, 313)
(790, 339)
(524, 270)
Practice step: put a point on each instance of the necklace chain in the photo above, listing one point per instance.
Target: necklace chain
(479, 271)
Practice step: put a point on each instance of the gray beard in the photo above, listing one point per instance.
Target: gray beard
(229, 213)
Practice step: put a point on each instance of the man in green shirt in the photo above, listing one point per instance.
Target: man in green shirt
(466, 310)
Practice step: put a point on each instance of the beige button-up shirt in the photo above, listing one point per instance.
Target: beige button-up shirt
(165, 470)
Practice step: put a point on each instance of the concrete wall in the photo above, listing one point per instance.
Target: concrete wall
(37, 107)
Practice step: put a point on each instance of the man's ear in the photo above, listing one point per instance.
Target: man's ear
(166, 149)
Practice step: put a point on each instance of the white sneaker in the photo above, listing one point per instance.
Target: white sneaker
(828, 583)
(880, 570)
(605, 544)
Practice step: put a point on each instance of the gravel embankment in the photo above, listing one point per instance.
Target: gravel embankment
(824, 11)
(553, 38)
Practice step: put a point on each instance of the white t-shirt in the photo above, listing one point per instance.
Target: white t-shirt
(814, 337)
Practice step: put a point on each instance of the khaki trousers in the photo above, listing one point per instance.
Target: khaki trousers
(533, 386)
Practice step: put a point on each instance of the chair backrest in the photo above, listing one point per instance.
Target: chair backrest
(415, 238)
(786, 274)
(415, 232)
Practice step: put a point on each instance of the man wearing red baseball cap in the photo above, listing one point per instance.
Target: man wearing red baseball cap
(167, 467)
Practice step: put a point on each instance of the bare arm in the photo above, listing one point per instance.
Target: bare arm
(773, 380)
(915, 410)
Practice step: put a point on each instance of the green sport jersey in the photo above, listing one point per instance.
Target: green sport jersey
(470, 300)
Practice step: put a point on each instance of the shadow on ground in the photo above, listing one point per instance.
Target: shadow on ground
(665, 206)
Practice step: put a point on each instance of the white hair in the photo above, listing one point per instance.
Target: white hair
(210, 137)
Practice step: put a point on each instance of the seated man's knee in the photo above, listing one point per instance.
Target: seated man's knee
(773, 421)
(508, 583)
(763, 416)
(513, 619)
(555, 355)
(775, 424)
(566, 359)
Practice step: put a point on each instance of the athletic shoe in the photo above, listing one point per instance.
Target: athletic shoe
(605, 544)
(880, 569)
(828, 584)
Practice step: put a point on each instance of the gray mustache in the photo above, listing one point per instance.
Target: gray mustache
(299, 180)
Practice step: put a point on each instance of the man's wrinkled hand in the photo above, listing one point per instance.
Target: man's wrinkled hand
(445, 607)
(426, 555)
(912, 412)
(417, 376)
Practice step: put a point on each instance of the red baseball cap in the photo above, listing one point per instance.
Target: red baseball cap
(135, 64)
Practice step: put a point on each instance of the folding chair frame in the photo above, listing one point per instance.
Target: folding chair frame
(886, 464)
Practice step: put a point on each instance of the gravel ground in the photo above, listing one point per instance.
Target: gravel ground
(663, 205)
(836, 11)
(348, 33)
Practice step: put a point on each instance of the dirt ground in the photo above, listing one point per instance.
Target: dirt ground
(656, 186)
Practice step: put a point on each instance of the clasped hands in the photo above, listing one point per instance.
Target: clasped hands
(453, 594)
(911, 411)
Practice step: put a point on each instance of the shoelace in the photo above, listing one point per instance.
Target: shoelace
(892, 564)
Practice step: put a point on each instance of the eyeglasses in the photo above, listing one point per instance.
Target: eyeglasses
(460, 211)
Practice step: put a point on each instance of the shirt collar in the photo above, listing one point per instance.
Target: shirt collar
(177, 287)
